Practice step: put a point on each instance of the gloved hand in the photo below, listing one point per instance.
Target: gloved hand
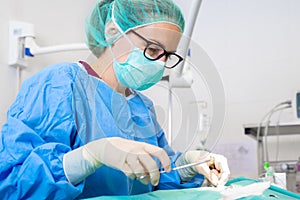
(216, 170)
(131, 157)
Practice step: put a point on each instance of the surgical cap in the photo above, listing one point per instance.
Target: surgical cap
(128, 14)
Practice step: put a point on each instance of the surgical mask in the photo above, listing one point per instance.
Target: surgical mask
(137, 72)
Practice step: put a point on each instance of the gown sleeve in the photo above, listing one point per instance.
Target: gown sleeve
(38, 131)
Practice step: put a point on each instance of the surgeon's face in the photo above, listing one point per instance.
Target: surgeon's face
(163, 35)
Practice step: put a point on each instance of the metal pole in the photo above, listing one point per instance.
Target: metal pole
(189, 28)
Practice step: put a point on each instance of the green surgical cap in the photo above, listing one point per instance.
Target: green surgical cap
(128, 14)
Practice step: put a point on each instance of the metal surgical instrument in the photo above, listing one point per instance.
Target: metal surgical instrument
(181, 167)
(187, 165)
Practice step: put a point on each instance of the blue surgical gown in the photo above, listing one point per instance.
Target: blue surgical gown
(59, 109)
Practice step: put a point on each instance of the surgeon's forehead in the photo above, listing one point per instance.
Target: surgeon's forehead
(164, 33)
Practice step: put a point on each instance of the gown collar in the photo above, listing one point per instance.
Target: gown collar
(89, 69)
(129, 93)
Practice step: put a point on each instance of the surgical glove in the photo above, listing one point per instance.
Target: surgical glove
(216, 170)
(131, 157)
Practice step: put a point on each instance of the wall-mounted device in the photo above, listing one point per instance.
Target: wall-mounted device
(296, 104)
(22, 43)
(18, 31)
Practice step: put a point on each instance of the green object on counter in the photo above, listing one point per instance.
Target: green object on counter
(266, 165)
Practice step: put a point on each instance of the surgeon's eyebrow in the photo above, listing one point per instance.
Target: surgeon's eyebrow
(163, 46)
(157, 42)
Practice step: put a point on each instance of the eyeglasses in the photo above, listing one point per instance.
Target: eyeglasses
(155, 51)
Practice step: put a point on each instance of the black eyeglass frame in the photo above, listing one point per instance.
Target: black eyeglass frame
(165, 53)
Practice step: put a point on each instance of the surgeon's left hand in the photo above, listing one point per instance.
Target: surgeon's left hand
(216, 170)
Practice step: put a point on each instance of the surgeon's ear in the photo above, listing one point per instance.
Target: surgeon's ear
(111, 33)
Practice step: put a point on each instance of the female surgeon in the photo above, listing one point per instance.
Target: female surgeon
(79, 130)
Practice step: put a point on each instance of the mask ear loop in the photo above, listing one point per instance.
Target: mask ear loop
(113, 19)
(118, 27)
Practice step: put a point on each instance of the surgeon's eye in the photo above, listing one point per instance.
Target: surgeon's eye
(154, 51)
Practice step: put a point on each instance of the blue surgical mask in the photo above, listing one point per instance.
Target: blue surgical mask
(137, 72)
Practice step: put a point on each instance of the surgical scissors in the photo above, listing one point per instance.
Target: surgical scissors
(187, 165)
(181, 167)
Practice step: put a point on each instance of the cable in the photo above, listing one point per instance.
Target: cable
(18, 83)
(266, 115)
(262, 121)
(277, 136)
(267, 128)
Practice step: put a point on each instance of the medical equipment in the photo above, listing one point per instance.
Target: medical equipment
(216, 171)
(18, 31)
(193, 14)
(262, 131)
(269, 173)
(22, 43)
(296, 104)
(181, 167)
(187, 165)
(266, 128)
(266, 119)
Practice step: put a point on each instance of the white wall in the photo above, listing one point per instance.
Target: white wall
(254, 45)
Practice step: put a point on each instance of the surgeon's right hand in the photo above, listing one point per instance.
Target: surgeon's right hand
(131, 157)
